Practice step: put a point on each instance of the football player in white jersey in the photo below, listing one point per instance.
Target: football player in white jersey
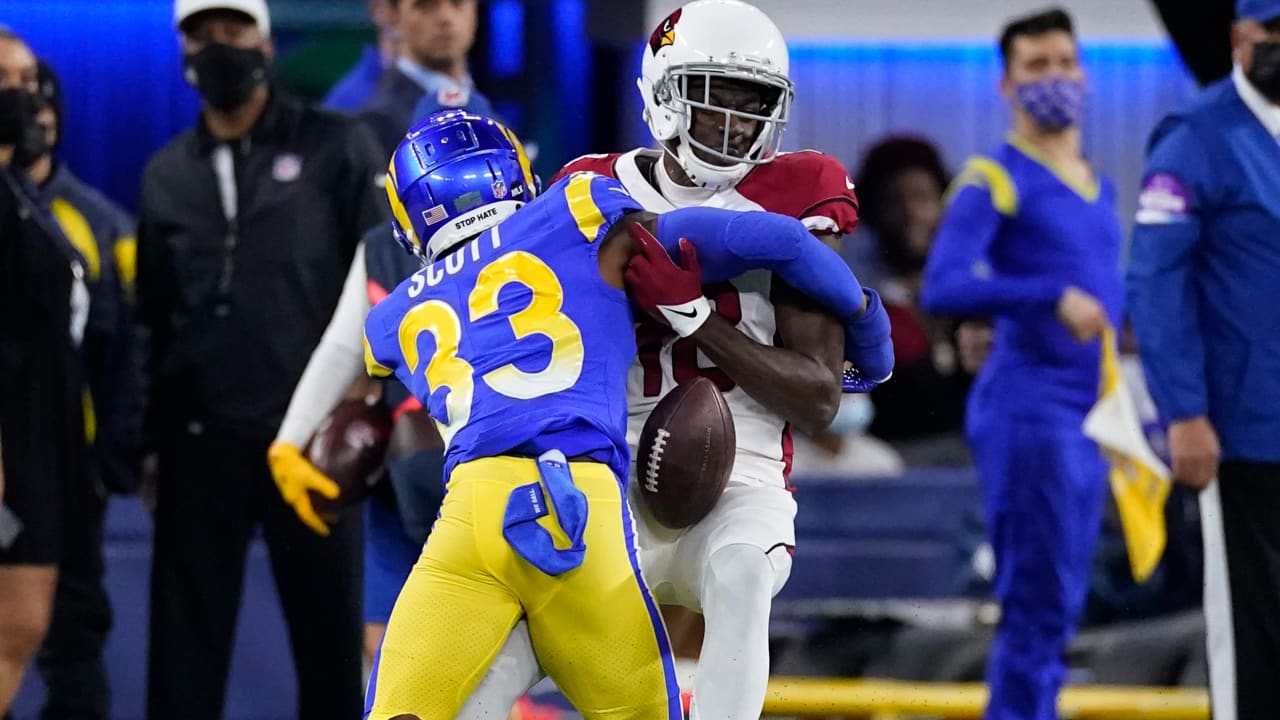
(717, 96)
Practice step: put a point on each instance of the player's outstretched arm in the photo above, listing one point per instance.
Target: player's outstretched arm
(730, 243)
(959, 279)
(799, 382)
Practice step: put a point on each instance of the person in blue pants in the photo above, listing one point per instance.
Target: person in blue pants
(1030, 240)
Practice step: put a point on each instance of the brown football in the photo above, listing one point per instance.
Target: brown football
(349, 447)
(685, 454)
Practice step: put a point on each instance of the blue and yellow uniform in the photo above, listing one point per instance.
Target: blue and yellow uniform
(1015, 235)
(517, 346)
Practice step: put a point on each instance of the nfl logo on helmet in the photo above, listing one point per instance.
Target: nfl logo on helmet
(499, 189)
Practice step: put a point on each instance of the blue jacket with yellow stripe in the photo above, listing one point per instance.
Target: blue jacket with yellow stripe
(1015, 235)
(102, 234)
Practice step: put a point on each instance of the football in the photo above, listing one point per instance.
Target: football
(412, 432)
(349, 447)
(685, 454)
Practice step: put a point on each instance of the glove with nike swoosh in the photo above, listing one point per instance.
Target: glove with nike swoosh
(667, 291)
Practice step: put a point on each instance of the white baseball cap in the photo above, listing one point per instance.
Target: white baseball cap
(256, 9)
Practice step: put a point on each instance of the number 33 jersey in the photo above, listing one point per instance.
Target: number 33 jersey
(809, 186)
(514, 342)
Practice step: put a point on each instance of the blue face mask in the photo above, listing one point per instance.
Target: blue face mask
(855, 414)
(1053, 103)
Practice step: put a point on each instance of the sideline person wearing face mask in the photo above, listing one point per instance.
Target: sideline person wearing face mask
(1202, 290)
(41, 383)
(247, 225)
(1030, 240)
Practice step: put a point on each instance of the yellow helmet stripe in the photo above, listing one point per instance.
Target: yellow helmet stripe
(525, 167)
(397, 207)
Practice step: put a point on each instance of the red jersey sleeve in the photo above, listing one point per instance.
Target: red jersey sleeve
(809, 186)
(600, 164)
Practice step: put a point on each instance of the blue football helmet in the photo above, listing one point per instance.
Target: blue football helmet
(455, 175)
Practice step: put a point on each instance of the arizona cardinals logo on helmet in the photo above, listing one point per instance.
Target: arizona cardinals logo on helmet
(665, 33)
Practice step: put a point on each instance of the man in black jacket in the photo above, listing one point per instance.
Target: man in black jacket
(247, 225)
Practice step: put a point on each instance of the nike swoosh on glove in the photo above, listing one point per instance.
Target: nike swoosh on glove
(868, 346)
(667, 291)
(295, 477)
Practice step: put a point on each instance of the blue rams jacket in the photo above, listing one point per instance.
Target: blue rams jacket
(1203, 280)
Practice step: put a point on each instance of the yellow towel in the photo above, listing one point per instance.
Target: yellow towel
(1140, 481)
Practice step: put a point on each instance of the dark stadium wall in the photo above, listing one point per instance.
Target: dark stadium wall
(1201, 32)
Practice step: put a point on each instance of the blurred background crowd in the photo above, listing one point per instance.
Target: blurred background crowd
(894, 575)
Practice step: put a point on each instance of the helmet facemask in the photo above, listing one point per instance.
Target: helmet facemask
(719, 165)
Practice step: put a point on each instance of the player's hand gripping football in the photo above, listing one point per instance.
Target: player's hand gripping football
(868, 347)
(295, 477)
(669, 292)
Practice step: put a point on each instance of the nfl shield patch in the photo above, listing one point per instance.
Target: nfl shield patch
(499, 189)
(286, 168)
(453, 97)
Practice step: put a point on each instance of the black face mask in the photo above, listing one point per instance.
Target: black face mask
(225, 75)
(1264, 72)
(899, 256)
(18, 126)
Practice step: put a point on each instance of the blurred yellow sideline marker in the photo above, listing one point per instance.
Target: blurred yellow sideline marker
(889, 700)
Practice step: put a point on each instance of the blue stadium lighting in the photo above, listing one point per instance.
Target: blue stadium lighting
(1136, 50)
(506, 28)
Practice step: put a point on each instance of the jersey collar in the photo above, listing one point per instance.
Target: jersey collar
(1267, 113)
(432, 82)
(637, 183)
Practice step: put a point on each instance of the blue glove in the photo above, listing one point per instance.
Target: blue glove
(868, 345)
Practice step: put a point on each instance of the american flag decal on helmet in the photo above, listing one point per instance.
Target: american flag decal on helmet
(434, 215)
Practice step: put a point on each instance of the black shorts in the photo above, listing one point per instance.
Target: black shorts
(44, 493)
(29, 529)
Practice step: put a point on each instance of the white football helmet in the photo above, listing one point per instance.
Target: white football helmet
(708, 39)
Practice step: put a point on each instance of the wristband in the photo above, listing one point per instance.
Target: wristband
(686, 318)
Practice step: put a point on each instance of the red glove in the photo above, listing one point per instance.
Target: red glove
(668, 292)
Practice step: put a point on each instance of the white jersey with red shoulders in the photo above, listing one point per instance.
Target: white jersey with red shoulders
(807, 185)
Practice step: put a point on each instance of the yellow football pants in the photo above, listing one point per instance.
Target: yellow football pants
(596, 629)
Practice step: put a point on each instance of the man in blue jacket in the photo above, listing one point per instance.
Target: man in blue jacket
(431, 71)
(354, 88)
(1202, 291)
(1030, 240)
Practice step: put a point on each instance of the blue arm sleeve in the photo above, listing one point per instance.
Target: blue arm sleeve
(1159, 284)
(959, 278)
(730, 243)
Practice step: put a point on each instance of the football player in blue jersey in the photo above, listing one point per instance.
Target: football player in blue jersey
(517, 337)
